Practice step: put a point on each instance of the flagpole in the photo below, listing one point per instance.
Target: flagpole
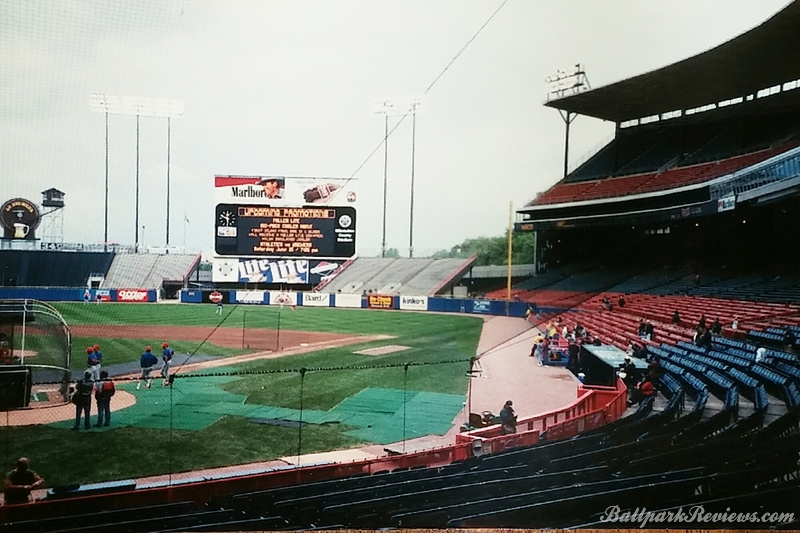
(185, 221)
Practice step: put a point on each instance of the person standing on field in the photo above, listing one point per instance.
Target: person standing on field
(147, 361)
(103, 391)
(166, 358)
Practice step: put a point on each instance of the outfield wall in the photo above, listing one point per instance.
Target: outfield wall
(369, 301)
(58, 294)
(290, 298)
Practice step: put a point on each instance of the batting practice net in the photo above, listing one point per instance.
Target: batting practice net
(35, 346)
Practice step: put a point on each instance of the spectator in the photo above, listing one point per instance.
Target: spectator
(637, 352)
(20, 482)
(702, 323)
(735, 323)
(654, 370)
(697, 336)
(642, 328)
(545, 351)
(788, 340)
(628, 373)
(597, 341)
(705, 340)
(761, 353)
(676, 317)
(573, 359)
(147, 361)
(629, 350)
(649, 332)
(640, 393)
(82, 398)
(103, 391)
(508, 418)
(716, 327)
(621, 301)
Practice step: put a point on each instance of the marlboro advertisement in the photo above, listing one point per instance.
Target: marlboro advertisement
(281, 191)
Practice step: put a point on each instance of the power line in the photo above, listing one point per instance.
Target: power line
(430, 86)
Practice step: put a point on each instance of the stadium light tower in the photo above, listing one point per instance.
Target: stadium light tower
(138, 107)
(102, 103)
(565, 83)
(386, 108)
(169, 109)
(414, 104)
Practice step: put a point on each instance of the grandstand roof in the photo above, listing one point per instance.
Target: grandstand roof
(766, 56)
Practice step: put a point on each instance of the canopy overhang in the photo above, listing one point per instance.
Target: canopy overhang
(765, 57)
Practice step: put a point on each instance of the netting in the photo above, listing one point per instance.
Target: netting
(35, 345)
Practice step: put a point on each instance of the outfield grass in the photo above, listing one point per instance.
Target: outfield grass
(63, 456)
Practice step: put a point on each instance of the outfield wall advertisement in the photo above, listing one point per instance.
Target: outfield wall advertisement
(250, 297)
(348, 300)
(414, 303)
(316, 299)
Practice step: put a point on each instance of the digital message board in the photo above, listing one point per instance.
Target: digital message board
(260, 230)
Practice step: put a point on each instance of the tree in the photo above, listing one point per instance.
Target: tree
(494, 250)
(392, 253)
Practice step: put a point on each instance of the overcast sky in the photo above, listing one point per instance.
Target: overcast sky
(289, 88)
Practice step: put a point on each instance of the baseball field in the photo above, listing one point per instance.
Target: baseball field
(251, 384)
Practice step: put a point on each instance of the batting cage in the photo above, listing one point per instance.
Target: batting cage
(35, 346)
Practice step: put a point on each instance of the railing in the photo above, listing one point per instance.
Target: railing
(594, 407)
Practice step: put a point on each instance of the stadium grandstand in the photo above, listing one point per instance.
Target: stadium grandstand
(686, 220)
(415, 276)
(164, 273)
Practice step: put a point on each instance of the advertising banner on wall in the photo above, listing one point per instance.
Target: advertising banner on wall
(281, 191)
(348, 300)
(289, 271)
(380, 301)
(131, 295)
(215, 297)
(283, 298)
(414, 303)
(250, 297)
(481, 306)
(316, 299)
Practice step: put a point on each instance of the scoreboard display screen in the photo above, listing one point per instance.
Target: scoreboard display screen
(260, 230)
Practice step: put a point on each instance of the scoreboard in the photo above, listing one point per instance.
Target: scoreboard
(263, 230)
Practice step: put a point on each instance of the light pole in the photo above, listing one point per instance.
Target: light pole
(413, 105)
(385, 108)
(102, 103)
(169, 109)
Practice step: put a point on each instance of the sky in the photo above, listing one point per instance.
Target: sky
(292, 88)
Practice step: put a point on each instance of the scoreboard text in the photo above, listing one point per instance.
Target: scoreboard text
(247, 230)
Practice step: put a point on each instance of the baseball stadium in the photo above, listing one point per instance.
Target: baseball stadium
(640, 368)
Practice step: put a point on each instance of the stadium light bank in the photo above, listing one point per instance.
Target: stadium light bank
(139, 107)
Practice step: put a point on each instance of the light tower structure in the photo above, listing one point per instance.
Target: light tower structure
(564, 83)
(52, 216)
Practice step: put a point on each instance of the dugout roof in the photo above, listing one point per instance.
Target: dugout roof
(763, 57)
